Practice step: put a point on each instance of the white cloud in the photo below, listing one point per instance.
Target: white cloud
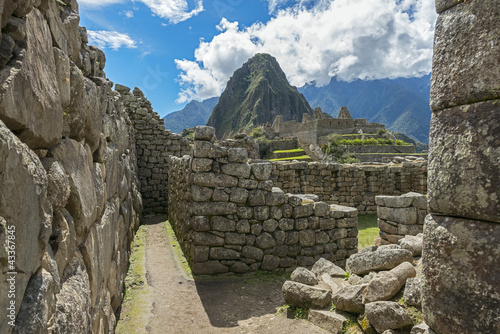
(347, 39)
(127, 13)
(111, 39)
(174, 10)
(99, 3)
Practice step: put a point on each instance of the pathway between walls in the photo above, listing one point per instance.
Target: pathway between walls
(180, 304)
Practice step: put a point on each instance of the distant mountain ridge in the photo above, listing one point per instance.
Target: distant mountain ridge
(256, 93)
(194, 113)
(401, 104)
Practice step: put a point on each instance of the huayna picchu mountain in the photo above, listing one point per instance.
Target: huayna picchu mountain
(255, 94)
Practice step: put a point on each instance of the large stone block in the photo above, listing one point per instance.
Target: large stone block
(214, 180)
(461, 267)
(464, 163)
(29, 96)
(25, 209)
(398, 215)
(298, 294)
(75, 159)
(466, 66)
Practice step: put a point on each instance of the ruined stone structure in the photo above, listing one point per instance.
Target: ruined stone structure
(461, 256)
(323, 124)
(154, 145)
(399, 216)
(69, 198)
(228, 216)
(350, 185)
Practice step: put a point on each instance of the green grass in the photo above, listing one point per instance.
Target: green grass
(295, 150)
(368, 230)
(136, 299)
(302, 157)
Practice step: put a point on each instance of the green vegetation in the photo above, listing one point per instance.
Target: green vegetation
(177, 250)
(299, 312)
(136, 291)
(255, 94)
(415, 313)
(188, 133)
(302, 157)
(368, 230)
(296, 150)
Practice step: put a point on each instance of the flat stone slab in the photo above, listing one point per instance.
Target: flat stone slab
(330, 321)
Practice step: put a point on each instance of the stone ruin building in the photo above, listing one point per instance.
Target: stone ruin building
(322, 124)
(80, 163)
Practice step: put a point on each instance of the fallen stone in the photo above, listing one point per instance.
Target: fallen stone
(387, 315)
(412, 295)
(350, 298)
(330, 321)
(302, 295)
(387, 283)
(412, 243)
(422, 329)
(384, 259)
(304, 276)
(323, 266)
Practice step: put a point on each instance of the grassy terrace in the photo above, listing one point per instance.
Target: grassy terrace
(302, 157)
(295, 150)
(368, 230)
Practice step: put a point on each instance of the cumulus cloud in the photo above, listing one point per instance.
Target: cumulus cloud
(98, 3)
(174, 10)
(111, 39)
(347, 39)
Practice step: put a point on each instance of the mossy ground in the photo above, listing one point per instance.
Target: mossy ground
(295, 150)
(177, 250)
(137, 292)
(367, 230)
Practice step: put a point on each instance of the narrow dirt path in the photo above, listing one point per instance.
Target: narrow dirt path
(180, 304)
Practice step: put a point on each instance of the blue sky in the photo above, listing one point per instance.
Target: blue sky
(178, 50)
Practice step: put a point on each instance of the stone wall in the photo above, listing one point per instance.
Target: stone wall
(228, 217)
(154, 145)
(400, 215)
(69, 199)
(461, 256)
(350, 185)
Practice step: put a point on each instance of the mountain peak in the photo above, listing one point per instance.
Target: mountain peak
(256, 93)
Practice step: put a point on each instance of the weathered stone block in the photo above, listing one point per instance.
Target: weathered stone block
(223, 224)
(214, 180)
(363, 263)
(398, 215)
(257, 197)
(307, 238)
(350, 298)
(321, 209)
(270, 225)
(204, 133)
(200, 223)
(410, 229)
(237, 155)
(304, 210)
(237, 169)
(205, 149)
(461, 266)
(243, 226)
(459, 75)
(214, 208)
(330, 321)
(261, 212)
(387, 315)
(200, 253)
(238, 195)
(265, 241)
(298, 294)
(29, 98)
(275, 197)
(463, 164)
(207, 239)
(270, 262)
(252, 253)
(262, 171)
(209, 268)
(201, 165)
(221, 253)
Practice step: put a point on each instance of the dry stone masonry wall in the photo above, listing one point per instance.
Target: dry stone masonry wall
(69, 198)
(228, 217)
(461, 256)
(399, 216)
(154, 145)
(350, 185)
